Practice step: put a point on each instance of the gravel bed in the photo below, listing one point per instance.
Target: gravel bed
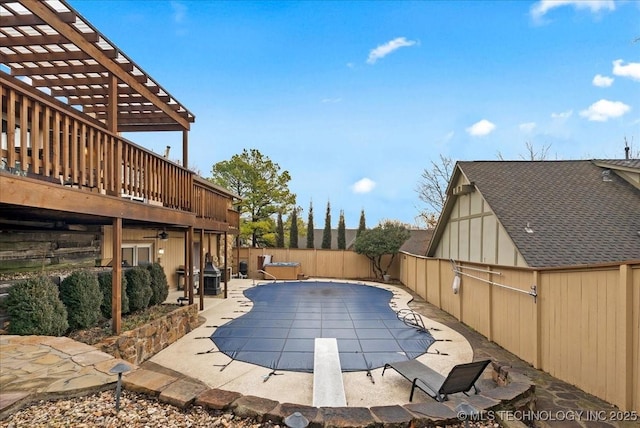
(136, 411)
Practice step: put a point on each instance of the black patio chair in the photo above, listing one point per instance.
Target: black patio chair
(461, 378)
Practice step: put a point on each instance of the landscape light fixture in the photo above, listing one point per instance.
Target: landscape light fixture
(119, 369)
(296, 420)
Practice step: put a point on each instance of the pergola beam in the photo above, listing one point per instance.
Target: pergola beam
(54, 20)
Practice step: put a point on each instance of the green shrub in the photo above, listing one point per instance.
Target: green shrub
(159, 284)
(81, 294)
(138, 287)
(35, 308)
(104, 279)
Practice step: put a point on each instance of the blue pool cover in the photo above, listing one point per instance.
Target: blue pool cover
(280, 329)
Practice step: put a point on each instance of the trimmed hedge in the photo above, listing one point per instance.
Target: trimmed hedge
(104, 280)
(35, 308)
(138, 287)
(159, 284)
(81, 294)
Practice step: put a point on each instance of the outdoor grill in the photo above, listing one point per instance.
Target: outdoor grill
(211, 279)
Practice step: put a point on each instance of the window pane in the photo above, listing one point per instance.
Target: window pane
(127, 256)
(144, 255)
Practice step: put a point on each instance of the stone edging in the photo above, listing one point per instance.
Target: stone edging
(516, 393)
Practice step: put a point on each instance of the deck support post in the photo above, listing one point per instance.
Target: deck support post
(116, 277)
(226, 254)
(202, 260)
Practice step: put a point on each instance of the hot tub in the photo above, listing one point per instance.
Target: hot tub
(282, 270)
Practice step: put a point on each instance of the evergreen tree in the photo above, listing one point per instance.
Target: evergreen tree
(362, 226)
(310, 226)
(279, 231)
(326, 233)
(342, 239)
(293, 232)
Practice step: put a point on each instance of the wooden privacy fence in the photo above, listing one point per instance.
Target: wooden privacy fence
(579, 324)
(317, 263)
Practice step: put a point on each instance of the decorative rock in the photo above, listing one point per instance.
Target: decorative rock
(181, 393)
(509, 392)
(217, 399)
(147, 382)
(10, 399)
(426, 413)
(250, 406)
(356, 417)
(392, 416)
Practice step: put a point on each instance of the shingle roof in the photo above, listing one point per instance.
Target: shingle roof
(418, 242)
(577, 217)
(625, 163)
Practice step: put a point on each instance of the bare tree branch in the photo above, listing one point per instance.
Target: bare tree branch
(432, 187)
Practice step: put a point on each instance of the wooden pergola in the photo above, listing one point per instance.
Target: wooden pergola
(52, 46)
(46, 44)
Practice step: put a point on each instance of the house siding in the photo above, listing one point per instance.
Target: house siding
(474, 234)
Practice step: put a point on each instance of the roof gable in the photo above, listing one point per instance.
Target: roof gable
(576, 214)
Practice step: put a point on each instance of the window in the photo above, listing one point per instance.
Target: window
(136, 254)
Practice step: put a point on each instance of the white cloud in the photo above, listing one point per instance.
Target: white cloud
(631, 70)
(481, 128)
(602, 81)
(364, 185)
(527, 127)
(540, 9)
(603, 110)
(331, 100)
(384, 50)
(562, 115)
(179, 11)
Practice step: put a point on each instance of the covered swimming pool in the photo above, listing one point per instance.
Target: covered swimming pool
(280, 330)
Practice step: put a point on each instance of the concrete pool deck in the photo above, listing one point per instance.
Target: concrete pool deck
(188, 356)
(42, 367)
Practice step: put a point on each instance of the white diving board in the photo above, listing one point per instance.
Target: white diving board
(328, 388)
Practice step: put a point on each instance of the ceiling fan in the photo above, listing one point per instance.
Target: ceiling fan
(162, 235)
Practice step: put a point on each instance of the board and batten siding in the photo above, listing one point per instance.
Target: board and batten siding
(174, 249)
(474, 234)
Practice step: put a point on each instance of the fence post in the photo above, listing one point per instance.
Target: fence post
(537, 314)
(625, 337)
(490, 307)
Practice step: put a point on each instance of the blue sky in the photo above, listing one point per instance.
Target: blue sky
(355, 99)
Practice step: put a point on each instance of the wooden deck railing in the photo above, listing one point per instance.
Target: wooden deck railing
(46, 139)
(210, 204)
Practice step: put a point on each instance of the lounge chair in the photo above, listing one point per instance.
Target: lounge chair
(461, 378)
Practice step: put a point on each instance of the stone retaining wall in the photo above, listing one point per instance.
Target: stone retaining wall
(136, 346)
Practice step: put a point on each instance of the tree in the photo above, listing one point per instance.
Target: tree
(310, 226)
(263, 188)
(342, 239)
(533, 153)
(279, 231)
(432, 188)
(362, 226)
(384, 239)
(293, 232)
(326, 233)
